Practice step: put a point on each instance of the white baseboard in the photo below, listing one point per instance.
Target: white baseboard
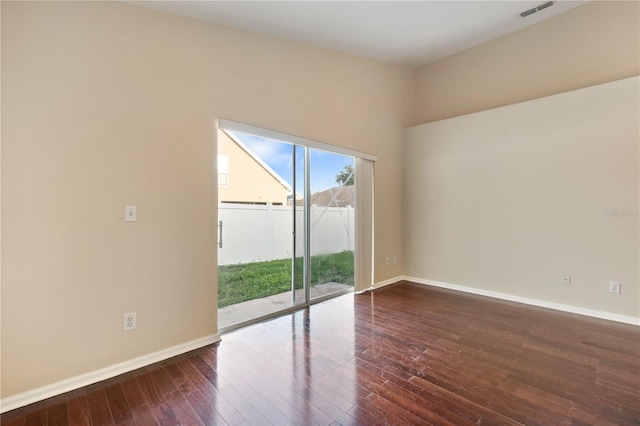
(381, 284)
(528, 301)
(58, 388)
(387, 282)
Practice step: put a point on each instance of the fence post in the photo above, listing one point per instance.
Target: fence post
(269, 230)
(349, 214)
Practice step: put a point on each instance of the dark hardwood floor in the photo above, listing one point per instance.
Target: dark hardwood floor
(405, 354)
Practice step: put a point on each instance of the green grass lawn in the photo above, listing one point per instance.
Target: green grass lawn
(239, 283)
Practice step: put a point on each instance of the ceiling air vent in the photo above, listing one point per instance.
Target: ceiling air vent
(544, 6)
(537, 9)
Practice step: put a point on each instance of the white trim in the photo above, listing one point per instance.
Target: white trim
(390, 281)
(58, 388)
(528, 301)
(380, 284)
(297, 140)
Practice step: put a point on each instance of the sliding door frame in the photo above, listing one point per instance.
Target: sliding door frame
(361, 259)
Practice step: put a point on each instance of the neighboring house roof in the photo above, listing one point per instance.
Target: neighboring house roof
(338, 196)
(258, 160)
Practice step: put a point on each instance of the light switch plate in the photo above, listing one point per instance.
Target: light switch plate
(130, 213)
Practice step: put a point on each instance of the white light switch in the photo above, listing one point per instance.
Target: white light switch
(129, 213)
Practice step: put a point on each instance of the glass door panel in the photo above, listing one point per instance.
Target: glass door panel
(299, 294)
(255, 227)
(331, 222)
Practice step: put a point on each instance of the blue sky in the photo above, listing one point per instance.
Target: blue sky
(278, 155)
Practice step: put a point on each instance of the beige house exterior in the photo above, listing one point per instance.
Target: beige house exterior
(245, 178)
(338, 196)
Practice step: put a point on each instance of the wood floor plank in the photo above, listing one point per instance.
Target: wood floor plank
(404, 354)
(163, 412)
(57, 415)
(150, 389)
(78, 411)
(120, 410)
(37, 418)
(260, 395)
(133, 393)
(144, 415)
(181, 381)
(195, 378)
(204, 407)
(383, 408)
(18, 421)
(163, 381)
(225, 408)
(183, 410)
(99, 408)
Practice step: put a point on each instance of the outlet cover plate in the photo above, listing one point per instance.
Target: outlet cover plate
(614, 287)
(129, 322)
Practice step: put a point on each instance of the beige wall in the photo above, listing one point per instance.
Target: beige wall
(508, 200)
(589, 45)
(106, 104)
(248, 180)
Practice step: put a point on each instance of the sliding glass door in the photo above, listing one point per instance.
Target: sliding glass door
(286, 224)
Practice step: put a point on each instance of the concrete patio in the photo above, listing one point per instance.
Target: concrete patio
(244, 311)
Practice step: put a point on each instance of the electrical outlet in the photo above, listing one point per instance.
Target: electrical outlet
(129, 321)
(614, 287)
(388, 260)
(566, 279)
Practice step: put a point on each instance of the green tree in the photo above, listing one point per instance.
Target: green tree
(345, 176)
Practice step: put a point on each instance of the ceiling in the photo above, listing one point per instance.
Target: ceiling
(410, 33)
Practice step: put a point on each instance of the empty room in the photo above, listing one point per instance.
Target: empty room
(320, 213)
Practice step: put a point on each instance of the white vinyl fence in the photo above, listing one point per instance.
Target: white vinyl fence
(253, 233)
